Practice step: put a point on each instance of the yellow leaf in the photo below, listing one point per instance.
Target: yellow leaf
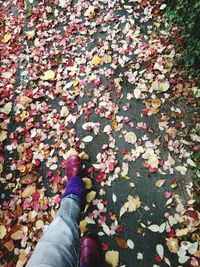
(70, 153)
(7, 107)
(156, 103)
(6, 38)
(133, 203)
(96, 60)
(83, 156)
(48, 75)
(30, 189)
(3, 135)
(115, 124)
(83, 226)
(17, 235)
(24, 115)
(87, 182)
(25, 100)
(90, 12)
(30, 34)
(3, 231)
(153, 160)
(160, 87)
(130, 138)
(112, 258)
(39, 224)
(90, 196)
(160, 183)
(22, 168)
(181, 232)
(106, 58)
(9, 245)
(172, 244)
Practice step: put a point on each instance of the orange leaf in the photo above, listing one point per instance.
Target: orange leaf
(122, 243)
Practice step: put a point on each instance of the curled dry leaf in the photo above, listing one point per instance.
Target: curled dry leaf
(83, 156)
(112, 258)
(83, 226)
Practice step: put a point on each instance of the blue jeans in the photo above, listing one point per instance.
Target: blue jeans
(60, 244)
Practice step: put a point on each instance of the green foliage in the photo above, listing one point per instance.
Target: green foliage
(186, 14)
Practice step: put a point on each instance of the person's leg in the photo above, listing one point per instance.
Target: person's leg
(60, 245)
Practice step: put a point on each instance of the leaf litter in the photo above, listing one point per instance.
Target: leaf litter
(64, 66)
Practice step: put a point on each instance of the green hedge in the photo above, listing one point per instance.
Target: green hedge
(186, 14)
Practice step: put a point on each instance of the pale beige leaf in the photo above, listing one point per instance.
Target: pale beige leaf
(39, 224)
(130, 138)
(112, 258)
(6, 38)
(106, 229)
(172, 244)
(154, 228)
(182, 232)
(3, 135)
(160, 250)
(133, 203)
(123, 209)
(30, 34)
(87, 139)
(25, 100)
(30, 189)
(160, 183)
(7, 107)
(3, 231)
(48, 75)
(153, 160)
(181, 169)
(130, 244)
(17, 235)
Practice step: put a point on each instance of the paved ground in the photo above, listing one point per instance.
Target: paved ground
(111, 67)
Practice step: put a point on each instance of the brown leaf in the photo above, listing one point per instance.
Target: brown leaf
(122, 243)
(9, 245)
